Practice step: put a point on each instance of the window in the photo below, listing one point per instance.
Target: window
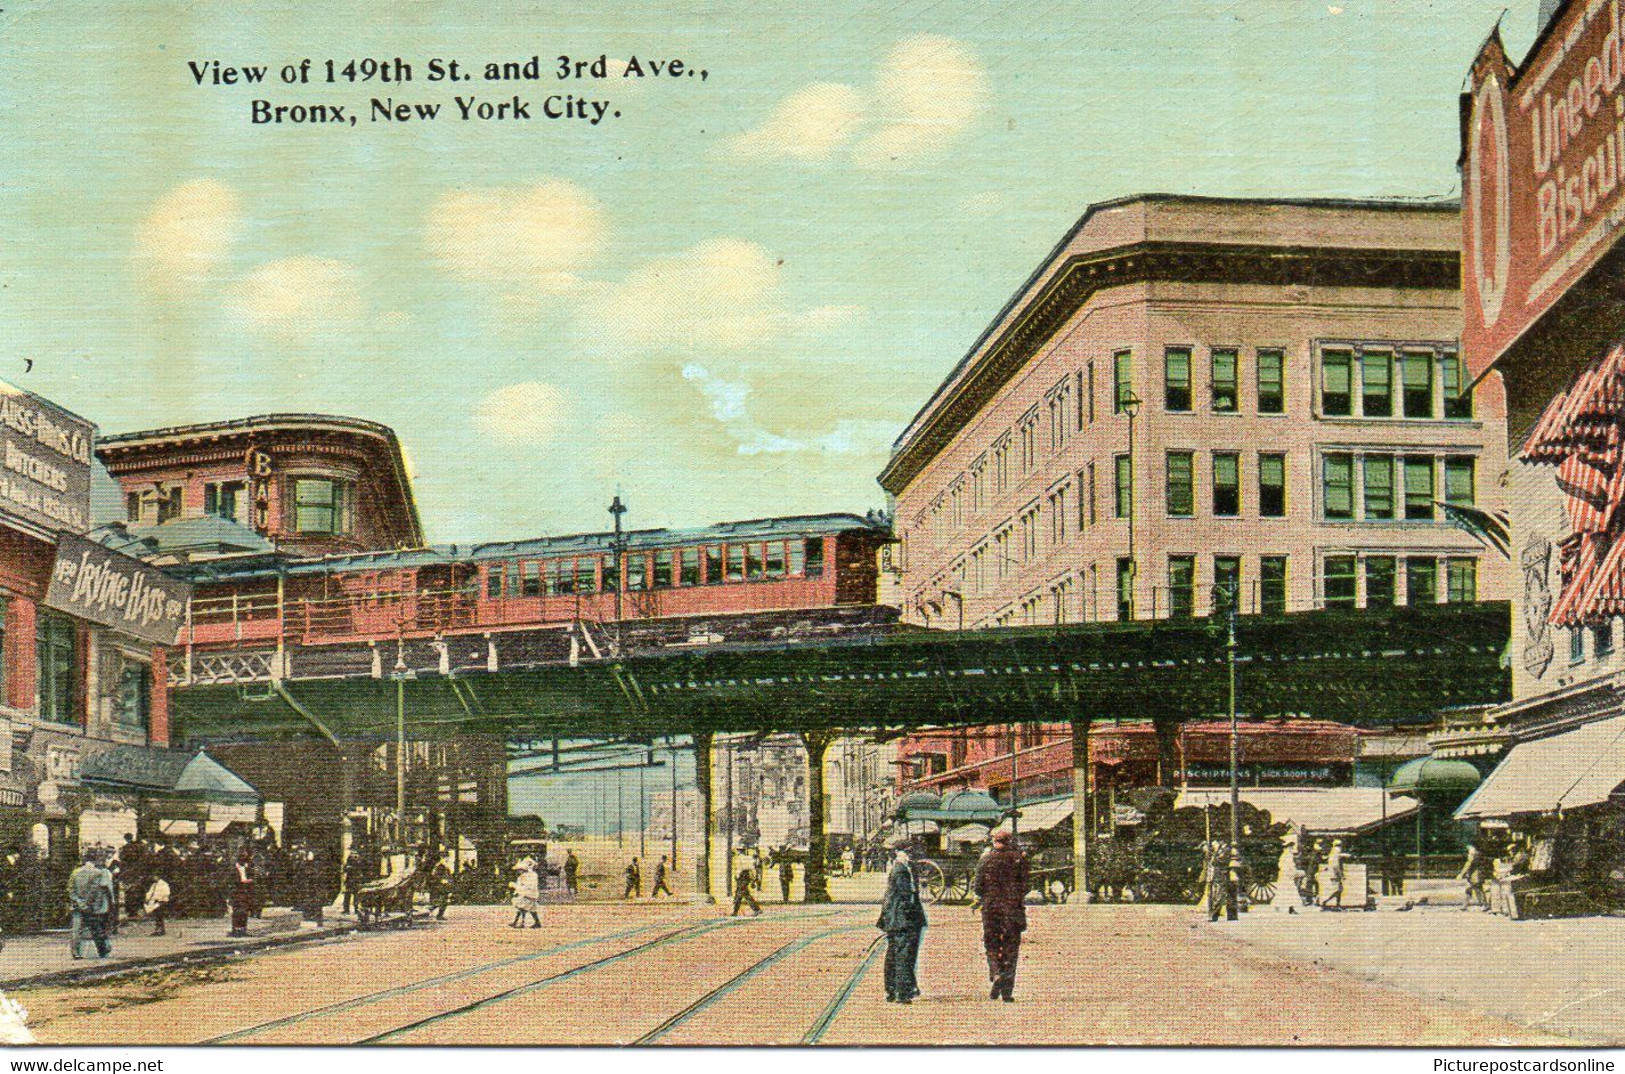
(736, 563)
(614, 568)
(319, 505)
(530, 578)
(1337, 485)
(132, 697)
(1337, 581)
(775, 559)
(224, 499)
(755, 562)
(564, 572)
(1271, 382)
(1225, 397)
(1379, 486)
(1181, 495)
(1272, 585)
(1181, 586)
(132, 506)
(1577, 645)
(1377, 384)
(1272, 486)
(1381, 575)
(587, 575)
(1089, 389)
(713, 564)
(1058, 515)
(1418, 488)
(1336, 384)
(1226, 484)
(1461, 586)
(1421, 580)
(56, 640)
(1123, 497)
(637, 571)
(1459, 490)
(1029, 442)
(169, 504)
(1176, 371)
(815, 558)
(495, 580)
(798, 558)
(1602, 639)
(1125, 589)
(1418, 380)
(663, 569)
(1122, 379)
(1092, 516)
(1226, 584)
(1458, 401)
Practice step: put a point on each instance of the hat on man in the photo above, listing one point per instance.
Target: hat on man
(1002, 837)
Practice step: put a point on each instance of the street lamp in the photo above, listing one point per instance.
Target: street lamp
(1129, 404)
(618, 553)
(1225, 597)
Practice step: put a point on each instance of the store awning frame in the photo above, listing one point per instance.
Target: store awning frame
(167, 773)
(1573, 769)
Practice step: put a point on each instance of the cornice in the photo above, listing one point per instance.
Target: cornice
(1080, 277)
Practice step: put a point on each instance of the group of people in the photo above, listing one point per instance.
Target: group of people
(634, 880)
(1493, 879)
(1001, 883)
(1313, 869)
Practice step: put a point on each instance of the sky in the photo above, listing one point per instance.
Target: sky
(724, 303)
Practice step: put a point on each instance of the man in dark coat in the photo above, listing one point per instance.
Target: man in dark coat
(1001, 887)
(572, 869)
(660, 884)
(902, 919)
(742, 895)
(242, 899)
(787, 875)
(634, 881)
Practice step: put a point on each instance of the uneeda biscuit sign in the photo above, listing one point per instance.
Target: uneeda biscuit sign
(116, 591)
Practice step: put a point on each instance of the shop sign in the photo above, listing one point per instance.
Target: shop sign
(45, 457)
(107, 587)
(1543, 176)
(1268, 775)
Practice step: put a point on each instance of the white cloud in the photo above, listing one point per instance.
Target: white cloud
(927, 92)
(526, 413)
(729, 398)
(720, 293)
(810, 124)
(299, 296)
(930, 90)
(187, 236)
(515, 239)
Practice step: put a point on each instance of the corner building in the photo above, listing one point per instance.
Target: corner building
(1197, 396)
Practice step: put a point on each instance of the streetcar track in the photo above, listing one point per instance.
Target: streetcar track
(827, 1018)
(705, 1001)
(394, 992)
(677, 936)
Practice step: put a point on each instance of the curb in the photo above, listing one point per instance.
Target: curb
(185, 957)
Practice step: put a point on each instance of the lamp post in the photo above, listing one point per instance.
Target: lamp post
(1129, 404)
(400, 740)
(1232, 895)
(617, 554)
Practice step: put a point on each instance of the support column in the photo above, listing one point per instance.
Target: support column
(815, 879)
(1082, 792)
(1168, 759)
(702, 806)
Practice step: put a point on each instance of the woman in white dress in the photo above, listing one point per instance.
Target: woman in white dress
(527, 894)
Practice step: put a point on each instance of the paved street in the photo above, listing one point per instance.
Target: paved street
(600, 974)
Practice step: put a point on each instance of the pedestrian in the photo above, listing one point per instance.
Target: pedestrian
(527, 894)
(756, 856)
(572, 868)
(1001, 890)
(91, 900)
(634, 881)
(1215, 877)
(355, 874)
(787, 873)
(1287, 869)
(440, 889)
(1331, 892)
(134, 865)
(1474, 877)
(742, 895)
(902, 919)
(157, 902)
(242, 891)
(660, 880)
(848, 860)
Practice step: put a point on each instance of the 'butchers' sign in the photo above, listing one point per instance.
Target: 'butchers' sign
(106, 587)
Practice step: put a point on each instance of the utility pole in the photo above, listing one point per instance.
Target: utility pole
(1232, 892)
(618, 553)
(400, 740)
(643, 801)
(729, 871)
(673, 743)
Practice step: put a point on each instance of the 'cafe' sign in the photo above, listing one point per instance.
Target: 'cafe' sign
(95, 583)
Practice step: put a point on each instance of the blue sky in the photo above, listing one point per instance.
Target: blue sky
(723, 304)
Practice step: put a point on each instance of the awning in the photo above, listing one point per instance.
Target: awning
(969, 833)
(1577, 768)
(171, 773)
(1317, 810)
(1434, 775)
(1042, 816)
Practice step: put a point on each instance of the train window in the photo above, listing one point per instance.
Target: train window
(493, 581)
(798, 557)
(637, 571)
(689, 574)
(530, 579)
(736, 563)
(753, 561)
(586, 575)
(775, 559)
(553, 577)
(612, 573)
(567, 577)
(815, 558)
(713, 564)
(663, 562)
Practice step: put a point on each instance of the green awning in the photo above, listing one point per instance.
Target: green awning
(170, 773)
(1433, 775)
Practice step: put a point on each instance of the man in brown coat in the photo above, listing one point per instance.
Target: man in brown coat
(1001, 889)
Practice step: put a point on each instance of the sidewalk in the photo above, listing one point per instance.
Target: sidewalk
(44, 958)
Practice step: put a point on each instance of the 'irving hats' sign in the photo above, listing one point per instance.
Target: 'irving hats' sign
(45, 457)
(96, 583)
